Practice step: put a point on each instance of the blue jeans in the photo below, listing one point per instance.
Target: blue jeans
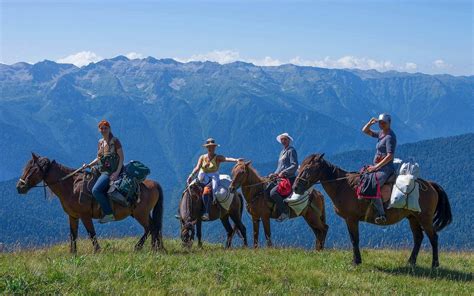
(99, 191)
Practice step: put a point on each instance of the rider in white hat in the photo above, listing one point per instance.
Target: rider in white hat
(287, 167)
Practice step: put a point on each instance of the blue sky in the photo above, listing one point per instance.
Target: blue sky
(424, 36)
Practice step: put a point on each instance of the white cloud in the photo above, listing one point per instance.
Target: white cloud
(441, 64)
(219, 56)
(410, 66)
(266, 61)
(133, 55)
(81, 58)
(349, 62)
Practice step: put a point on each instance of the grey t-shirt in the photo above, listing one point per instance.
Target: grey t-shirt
(386, 144)
(288, 162)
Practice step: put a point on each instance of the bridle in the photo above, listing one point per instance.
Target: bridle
(44, 173)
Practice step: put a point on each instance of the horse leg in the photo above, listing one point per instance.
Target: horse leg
(144, 220)
(87, 222)
(73, 227)
(240, 226)
(256, 228)
(229, 230)
(199, 232)
(319, 228)
(417, 238)
(353, 227)
(433, 236)
(267, 230)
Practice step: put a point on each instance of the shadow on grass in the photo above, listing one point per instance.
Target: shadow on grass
(437, 273)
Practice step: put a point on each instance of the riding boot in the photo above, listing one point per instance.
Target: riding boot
(206, 199)
(378, 205)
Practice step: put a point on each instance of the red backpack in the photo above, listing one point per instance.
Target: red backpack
(284, 187)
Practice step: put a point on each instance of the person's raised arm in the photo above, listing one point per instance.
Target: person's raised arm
(221, 158)
(366, 129)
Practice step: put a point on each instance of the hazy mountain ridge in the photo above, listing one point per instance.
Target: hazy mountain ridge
(162, 110)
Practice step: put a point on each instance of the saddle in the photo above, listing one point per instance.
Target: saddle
(385, 190)
(224, 197)
(85, 181)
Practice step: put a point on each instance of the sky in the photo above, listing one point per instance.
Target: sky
(411, 36)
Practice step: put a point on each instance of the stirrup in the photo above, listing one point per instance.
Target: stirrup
(380, 219)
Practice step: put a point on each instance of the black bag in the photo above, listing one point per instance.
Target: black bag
(137, 170)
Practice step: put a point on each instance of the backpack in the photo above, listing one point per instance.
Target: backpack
(126, 189)
(405, 192)
(136, 170)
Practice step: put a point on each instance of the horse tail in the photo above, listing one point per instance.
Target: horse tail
(323, 210)
(157, 212)
(443, 216)
(235, 228)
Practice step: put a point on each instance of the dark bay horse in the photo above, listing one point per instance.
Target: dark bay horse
(340, 186)
(253, 187)
(52, 174)
(190, 209)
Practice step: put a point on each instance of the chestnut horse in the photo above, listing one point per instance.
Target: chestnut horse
(56, 177)
(340, 186)
(190, 210)
(254, 187)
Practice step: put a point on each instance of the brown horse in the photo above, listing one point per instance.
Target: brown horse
(190, 209)
(53, 175)
(340, 186)
(260, 208)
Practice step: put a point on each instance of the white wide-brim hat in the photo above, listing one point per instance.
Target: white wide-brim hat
(286, 135)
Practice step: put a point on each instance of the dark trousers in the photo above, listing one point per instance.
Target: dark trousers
(277, 198)
(207, 200)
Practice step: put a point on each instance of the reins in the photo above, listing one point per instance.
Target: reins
(45, 174)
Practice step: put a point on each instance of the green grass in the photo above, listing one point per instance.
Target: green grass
(212, 270)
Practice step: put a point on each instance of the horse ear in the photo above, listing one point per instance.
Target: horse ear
(322, 155)
(247, 163)
(34, 156)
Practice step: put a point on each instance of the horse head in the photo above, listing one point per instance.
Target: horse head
(239, 175)
(34, 172)
(188, 220)
(310, 172)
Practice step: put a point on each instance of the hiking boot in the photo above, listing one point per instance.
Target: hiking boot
(205, 217)
(107, 219)
(282, 217)
(380, 219)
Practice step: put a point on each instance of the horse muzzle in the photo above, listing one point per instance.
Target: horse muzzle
(22, 187)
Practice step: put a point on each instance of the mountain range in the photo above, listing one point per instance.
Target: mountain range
(163, 110)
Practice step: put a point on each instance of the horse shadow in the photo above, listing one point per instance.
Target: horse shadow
(432, 273)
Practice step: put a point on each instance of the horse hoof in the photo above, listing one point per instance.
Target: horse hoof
(411, 263)
(356, 262)
(97, 250)
(435, 264)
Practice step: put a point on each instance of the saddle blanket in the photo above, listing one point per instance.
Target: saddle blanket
(298, 202)
(223, 195)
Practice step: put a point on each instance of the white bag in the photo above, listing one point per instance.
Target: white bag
(406, 191)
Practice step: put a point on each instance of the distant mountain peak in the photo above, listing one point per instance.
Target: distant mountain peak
(120, 58)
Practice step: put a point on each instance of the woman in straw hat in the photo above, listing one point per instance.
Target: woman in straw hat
(208, 172)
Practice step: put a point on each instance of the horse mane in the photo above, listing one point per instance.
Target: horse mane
(254, 171)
